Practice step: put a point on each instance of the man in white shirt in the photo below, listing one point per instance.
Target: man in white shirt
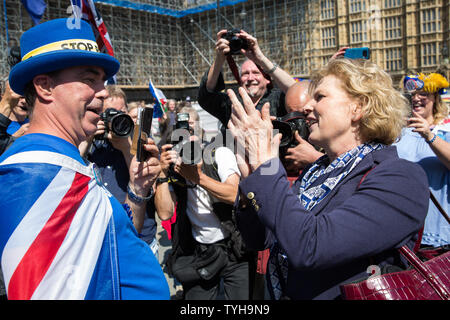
(204, 225)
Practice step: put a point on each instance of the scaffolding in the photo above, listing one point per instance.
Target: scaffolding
(172, 42)
(175, 49)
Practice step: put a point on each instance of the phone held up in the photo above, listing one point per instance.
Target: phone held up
(142, 131)
(357, 53)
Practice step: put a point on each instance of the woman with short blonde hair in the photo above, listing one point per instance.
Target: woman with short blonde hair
(349, 209)
(384, 108)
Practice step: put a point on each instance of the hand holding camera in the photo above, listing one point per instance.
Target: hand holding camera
(189, 172)
(301, 155)
(230, 42)
(235, 41)
(184, 141)
(117, 122)
(168, 158)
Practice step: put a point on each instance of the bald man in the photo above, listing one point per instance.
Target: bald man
(297, 96)
(304, 153)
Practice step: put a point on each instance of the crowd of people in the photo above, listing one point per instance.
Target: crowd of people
(78, 216)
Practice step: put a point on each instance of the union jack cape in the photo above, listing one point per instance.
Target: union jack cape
(62, 235)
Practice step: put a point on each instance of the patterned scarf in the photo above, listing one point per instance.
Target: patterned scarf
(310, 196)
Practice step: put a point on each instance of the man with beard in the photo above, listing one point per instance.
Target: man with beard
(257, 75)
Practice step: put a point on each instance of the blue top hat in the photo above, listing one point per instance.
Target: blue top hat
(56, 45)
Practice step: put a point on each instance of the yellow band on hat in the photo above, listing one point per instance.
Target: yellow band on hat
(69, 44)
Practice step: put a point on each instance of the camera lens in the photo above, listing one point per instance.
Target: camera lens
(235, 43)
(122, 125)
(286, 132)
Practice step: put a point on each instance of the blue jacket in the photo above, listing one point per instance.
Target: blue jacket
(351, 229)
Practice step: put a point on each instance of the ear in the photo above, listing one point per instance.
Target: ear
(267, 79)
(356, 112)
(44, 86)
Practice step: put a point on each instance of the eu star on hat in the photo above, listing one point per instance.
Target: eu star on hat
(56, 45)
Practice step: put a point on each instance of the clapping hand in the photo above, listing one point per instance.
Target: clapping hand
(253, 129)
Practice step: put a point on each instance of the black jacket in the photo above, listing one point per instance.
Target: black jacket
(5, 138)
(218, 104)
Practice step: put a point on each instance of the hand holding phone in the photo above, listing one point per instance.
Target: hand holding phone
(357, 53)
(142, 132)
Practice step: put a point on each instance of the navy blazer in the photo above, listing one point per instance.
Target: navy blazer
(351, 229)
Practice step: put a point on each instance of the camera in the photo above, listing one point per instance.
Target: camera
(13, 56)
(189, 151)
(287, 125)
(116, 121)
(236, 43)
(182, 121)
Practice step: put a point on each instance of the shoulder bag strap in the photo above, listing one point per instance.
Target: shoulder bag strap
(438, 205)
(422, 268)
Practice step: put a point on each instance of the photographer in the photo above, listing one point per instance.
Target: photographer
(19, 119)
(8, 102)
(206, 246)
(257, 82)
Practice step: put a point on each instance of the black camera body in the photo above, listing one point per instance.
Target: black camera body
(236, 43)
(287, 126)
(116, 121)
(182, 121)
(189, 151)
(14, 56)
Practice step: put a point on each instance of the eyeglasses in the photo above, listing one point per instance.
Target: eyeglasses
(422, 94)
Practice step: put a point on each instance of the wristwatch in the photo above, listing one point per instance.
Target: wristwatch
(275, 66)
(137, 199)
(162, 180)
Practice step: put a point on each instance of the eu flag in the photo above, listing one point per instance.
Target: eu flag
(35, 8)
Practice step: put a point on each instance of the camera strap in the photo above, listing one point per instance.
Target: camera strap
(234, 69)
(291, 116)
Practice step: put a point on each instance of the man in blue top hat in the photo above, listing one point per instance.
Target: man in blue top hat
(62, 234)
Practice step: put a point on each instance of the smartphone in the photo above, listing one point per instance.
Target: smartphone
(357, 53)
(142, 131)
